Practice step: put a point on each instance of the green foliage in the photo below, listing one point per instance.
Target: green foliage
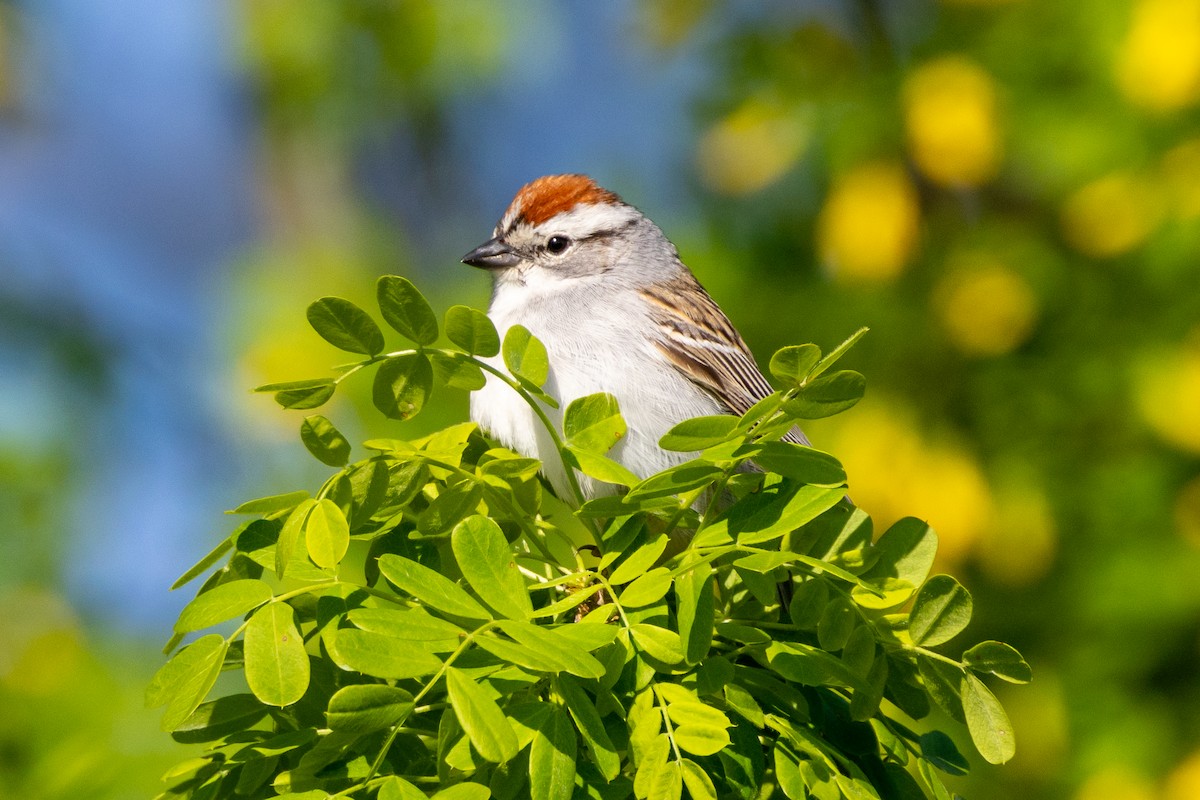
(426, 624)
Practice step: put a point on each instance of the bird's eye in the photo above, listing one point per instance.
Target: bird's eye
(557, 244)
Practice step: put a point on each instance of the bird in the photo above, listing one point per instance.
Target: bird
(604, 289)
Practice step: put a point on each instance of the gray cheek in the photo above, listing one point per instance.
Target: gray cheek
(590, 260)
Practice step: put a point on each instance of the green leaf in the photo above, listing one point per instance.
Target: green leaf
(765, 562)
(593, 423)
(775, 511)
(600, 467)
(650, 762)
(366, 708)
(639, 560)
(301, 394)
(940, 750)
(380, 655)
(836, 624)
(934, 781)
(699, 785)
(905, 551)
(713, 674)
(402, 385)
(658, 643)
(882, 594)
(741, 701)
(808, 603)
(183, 682)
(698, 433)
(326, 534)
(552, 757)
(471, 330)
(943, 682)
(701, 739)
(646, 589)
(585, 636)
(272, 504)
(484, 722)
(222, 602)
(219, 718)
(587, 719)
(413, 624)
(684, 477)
(289, 536)
(807, 665)
(837, 352)
(685, 708)
(530, 658)
(989, 726)
(430, 587)
(396, 788)
(865, 703)
(828, 395)
(800, 463)
(464, 791)
(525, 356)
(667, 783)
(406, 310)
(487, 563)
(695, 611)
(743, 762)
(346, 326)
(324, 441)
(858, 652)
(940, 612)
(277, 667)
(645, 724)
(450, 507)
(999, 659)
(568, 656)
(787, 771)
(456, 372)
(791, 365)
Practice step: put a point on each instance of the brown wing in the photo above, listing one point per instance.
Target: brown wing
(701, 342)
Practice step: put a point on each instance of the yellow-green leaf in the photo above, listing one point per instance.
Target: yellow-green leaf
(277, 667)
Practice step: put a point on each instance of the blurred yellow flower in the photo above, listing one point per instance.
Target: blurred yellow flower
(1187, 511)
(951, 121)
(1168, 394)
(1019, 545)
(1112, 215)
(986, 308)
(752, 147)
(867, 229)
(1116, 782)
(896, 471)
(1181, 174)
(1158, 65)
(1183, 783)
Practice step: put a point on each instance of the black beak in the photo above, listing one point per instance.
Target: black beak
(492, 254)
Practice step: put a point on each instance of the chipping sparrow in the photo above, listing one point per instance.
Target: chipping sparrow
(601, 286)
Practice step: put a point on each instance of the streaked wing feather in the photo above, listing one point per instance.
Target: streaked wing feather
(701, 342)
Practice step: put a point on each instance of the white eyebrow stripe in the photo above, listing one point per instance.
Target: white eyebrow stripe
(588, 219)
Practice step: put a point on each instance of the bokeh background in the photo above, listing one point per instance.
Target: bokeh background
(1006, 192)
